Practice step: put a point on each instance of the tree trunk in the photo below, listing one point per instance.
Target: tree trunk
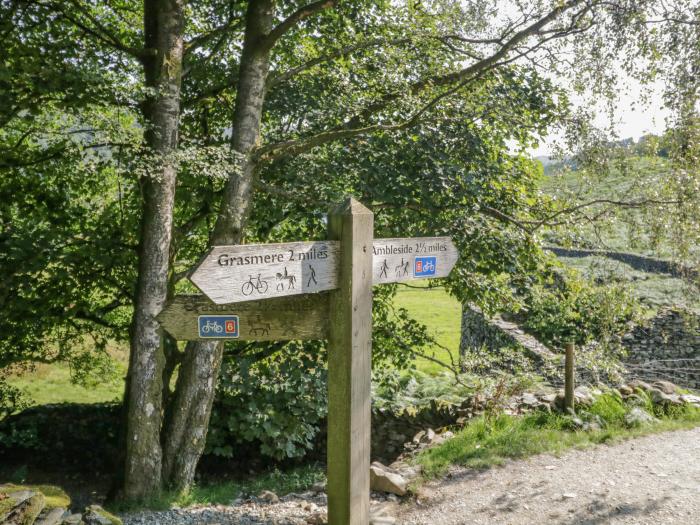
(190, 411)
(163, 25)
(188, 419)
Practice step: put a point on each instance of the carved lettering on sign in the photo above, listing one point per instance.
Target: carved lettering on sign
(397, 260)
(231, 274)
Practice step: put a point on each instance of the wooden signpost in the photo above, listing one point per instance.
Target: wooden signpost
(314, 290)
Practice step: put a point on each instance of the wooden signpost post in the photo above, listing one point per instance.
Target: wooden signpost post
(314, 290)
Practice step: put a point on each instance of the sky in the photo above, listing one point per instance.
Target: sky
(632, 118)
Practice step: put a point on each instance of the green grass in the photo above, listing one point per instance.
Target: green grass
(441, 313)
(487, 442)
(52, 384)
(298, 479)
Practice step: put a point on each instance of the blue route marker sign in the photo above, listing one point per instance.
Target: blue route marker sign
(424, 266)
(218, 326)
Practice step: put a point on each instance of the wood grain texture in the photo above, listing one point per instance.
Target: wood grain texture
(281, 319)
(569, 377)
(233, 274)
(394, 260)
(349, 367)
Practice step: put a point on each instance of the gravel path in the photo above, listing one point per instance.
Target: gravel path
(650, 480)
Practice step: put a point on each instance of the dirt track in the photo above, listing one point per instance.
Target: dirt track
(650, 480)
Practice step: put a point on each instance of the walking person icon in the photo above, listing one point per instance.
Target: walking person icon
(385, 267)
(312, 277)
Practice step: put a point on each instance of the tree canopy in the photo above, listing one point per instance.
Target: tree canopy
(136, 134)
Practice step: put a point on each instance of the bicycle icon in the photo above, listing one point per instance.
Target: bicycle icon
(254, 285)
(428, 266)
(212, 326)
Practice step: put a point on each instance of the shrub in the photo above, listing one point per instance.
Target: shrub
(12, 399)
(276, 403)
(567, 307)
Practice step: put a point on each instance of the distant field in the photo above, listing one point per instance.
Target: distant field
(618, 234)
(441, 313)
(626, 184)
(52, 384)
(653, 290)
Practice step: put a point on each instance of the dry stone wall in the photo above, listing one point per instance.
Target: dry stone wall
(493, 343)
(666, 347)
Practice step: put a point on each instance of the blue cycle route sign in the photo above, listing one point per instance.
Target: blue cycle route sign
(424, 266)
(218, 326)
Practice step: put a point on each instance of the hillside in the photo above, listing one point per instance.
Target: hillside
(624, 231)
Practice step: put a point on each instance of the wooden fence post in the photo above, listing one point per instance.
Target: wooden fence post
(569, 377)
(349, 366)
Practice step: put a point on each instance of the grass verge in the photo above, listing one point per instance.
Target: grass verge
(486, 442)
(298, 479)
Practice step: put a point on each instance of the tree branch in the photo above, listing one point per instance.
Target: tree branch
(354, 126)
(293, 147)
(98, 30)
(297, 16)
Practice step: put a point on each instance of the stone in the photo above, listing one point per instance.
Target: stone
(549, 398)
(583, 396)
(96, 515)
(269, 496)
(319, 487)
(660, 398)
(625, 390)
(384, 479)
(428, 437)
(21, 507)
(691, 399)
(638, 417)
(51, 517)
(529, 399)
(665, 386)
(73, 519)
(318, 518)
(641, 385)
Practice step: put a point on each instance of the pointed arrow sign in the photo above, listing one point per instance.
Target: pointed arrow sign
(192, 317)
(398, 260)
(234, 274)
